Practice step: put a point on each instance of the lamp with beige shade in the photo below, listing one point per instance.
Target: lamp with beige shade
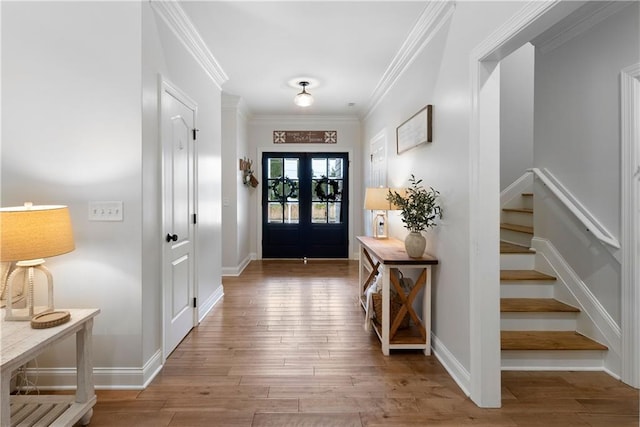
(27, 235)
(375, 199)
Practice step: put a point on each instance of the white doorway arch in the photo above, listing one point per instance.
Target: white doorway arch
(484, 166)
(630, 235)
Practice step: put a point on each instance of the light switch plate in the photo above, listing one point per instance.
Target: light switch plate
(105, 211)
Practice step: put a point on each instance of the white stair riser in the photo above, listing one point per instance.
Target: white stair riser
(538, 321)
(526, 202)
(517, 261)
(522, 239)
(529, 289)
(519, 218)
(559, 360)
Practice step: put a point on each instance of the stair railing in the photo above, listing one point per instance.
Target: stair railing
(588, 220)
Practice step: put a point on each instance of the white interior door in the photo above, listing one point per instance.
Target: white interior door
(179, 208)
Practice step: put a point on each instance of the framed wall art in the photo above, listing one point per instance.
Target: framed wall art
(415, 131)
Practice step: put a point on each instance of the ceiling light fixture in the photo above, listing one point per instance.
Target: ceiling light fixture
(304, 98)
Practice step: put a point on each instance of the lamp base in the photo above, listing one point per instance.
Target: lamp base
(28, 268)
(380, 226)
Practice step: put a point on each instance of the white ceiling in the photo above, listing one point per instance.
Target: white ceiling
(346, 46)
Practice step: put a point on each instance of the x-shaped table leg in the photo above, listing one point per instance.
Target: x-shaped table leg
(407, 304)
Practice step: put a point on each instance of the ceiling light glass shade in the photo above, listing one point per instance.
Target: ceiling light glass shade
(303, 99)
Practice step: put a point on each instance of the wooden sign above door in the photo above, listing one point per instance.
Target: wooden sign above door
(305, 137)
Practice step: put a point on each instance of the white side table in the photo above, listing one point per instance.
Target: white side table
(383, 256)
(19, 343)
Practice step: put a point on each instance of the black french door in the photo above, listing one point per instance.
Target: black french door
(305, 205)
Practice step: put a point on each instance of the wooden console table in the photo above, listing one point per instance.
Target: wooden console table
(385, 255)
(19, 343)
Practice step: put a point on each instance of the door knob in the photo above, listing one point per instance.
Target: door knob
(172, 237)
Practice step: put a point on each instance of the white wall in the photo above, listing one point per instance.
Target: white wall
(80, 115)
(439, 75)
(349, 140)
(71, 134)
(577, 137)
(235, 195)
(166, 56)
(516, 114)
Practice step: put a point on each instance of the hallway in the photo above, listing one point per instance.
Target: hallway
(286, 347)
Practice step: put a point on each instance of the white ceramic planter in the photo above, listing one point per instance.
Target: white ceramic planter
(414, 244)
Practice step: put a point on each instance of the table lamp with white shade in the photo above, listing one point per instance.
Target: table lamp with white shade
(27, 235)
(375, 200)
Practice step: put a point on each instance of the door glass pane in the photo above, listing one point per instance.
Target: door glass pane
(291, 168)
(335, 168)
(333, 213)
(274, 212)
(334, 190)
(283, 192)
(275, 168)
(319, 213)
(319, 167)
(291, 213)
(318, 190)
(327, 189)
(275, 190)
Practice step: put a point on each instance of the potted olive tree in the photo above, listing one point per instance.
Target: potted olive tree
(418, 209)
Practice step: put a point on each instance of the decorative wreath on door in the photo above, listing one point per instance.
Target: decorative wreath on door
(320, 186)
(290, 188)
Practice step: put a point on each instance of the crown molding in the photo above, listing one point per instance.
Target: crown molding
(582, 20)
(299, 118)
(237, 104)
(176, 19)
(429, 22)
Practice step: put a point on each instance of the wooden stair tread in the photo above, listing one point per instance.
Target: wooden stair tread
(535, 305)
(519, 210)
(515, 227)
(511, 248)
(515, 275)
(547, 340)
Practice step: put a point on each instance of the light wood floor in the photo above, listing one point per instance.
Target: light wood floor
(286, 347)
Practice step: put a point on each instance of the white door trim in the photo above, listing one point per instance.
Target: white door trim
(165, 86)
(484, 154)
(630, 233)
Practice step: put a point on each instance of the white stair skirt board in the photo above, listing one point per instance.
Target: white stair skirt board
(517, 261)
(553, 360)
(538, 321)
(511, 196)
(596, 323)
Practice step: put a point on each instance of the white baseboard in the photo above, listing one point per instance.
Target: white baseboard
(237, 270)
(460, 375)
(151, 368)
(600, 325)
(103, 378)
(208, 305)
